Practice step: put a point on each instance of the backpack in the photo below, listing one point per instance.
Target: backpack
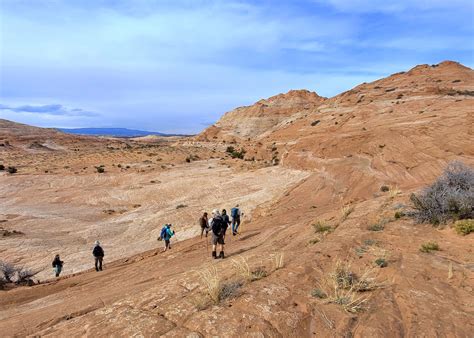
(234, 212)
(163, 233)
(217, 225)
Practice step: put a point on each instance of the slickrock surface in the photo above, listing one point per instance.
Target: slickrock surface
(308, 159)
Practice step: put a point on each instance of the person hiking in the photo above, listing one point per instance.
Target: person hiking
(203, 223)
(226, 220)
(217, 228)
(166, 234)
(235, 213)
(98, 253)
(57, 265)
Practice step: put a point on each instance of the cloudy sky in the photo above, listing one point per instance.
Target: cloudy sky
(178, 65)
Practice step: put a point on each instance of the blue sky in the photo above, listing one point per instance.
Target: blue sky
(178, 65)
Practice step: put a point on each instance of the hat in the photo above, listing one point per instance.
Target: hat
(215, 212)
(97, 243)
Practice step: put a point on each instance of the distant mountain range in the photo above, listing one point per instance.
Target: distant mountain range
(115, 132)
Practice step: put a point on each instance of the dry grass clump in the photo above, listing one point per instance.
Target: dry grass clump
(216, 289)
(393, 191)
(211, 282)
(344, 287)
(345, 212)
(278, 260)
(464, 227)
(243, 269)
(321, 227)
(429, 246)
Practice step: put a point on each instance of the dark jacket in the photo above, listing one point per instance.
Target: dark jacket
(218, 226)
(98, 251)
(57, 262)
(203, 222)
(226, 220)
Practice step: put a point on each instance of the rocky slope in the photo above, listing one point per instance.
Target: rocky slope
(330, 161)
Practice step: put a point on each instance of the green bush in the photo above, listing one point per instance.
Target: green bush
(464, 227)
(381, 262)
(100, 169)
(384, 188)
(429, 246)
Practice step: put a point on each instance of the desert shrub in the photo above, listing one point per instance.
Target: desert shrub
(370, 242)
(318, 293)
(7, 271)
(100, 169)
(234, 153)
(451, 196)
(2, 167)
(429, 246)
(314, 241)
(230, 289)
(180, 206)
(381, 262)
(321, 227)
(315, 123)
(384, 188)
(12, 170)
(259, 273)
(25, 276)
(399, 214)
(376, 227)
(464, 227)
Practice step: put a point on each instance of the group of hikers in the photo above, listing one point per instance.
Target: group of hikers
(217, 224)
(97, 252)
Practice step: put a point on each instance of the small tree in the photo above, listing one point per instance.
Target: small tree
(2, 167)
(12, 170)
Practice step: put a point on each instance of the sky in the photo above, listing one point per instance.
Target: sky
(176, 66)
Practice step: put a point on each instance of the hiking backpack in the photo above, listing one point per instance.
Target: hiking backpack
(234, 212)
(217, 225)
(163, 233)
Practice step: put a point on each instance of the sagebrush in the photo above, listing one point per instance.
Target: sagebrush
(450, 197)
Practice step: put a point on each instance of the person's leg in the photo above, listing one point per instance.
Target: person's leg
(202, 231)
(233, 226)
(221, 254)
(96, 263)
(214, 245)
(100, 263)
(237, 224)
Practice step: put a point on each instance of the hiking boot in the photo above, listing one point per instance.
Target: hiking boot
(214, 255)
(221, 254)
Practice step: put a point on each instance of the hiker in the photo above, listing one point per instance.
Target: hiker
(226, 220)
(217, 234)
(203, 222)
(166, 234)
(57, 265)
(235, 213)
(98, 253)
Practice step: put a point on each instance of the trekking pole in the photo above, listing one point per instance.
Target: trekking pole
(207, 244)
